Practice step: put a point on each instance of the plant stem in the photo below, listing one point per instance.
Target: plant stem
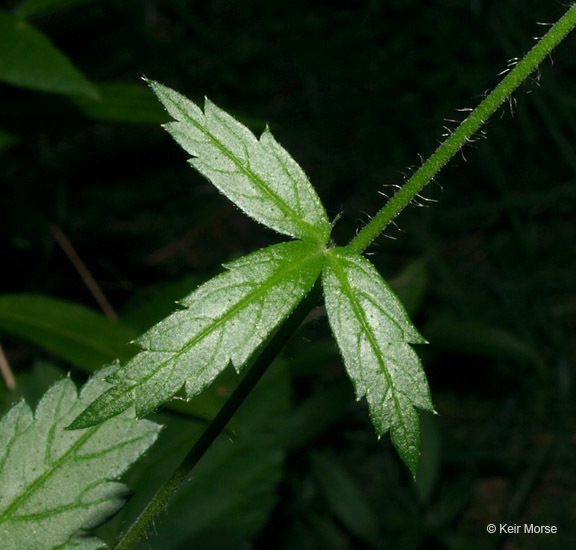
(400, 200)
(160, 500)
(465, 131)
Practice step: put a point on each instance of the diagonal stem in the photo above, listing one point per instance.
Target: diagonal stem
(160, 500)
(465, 131)
(430, 168)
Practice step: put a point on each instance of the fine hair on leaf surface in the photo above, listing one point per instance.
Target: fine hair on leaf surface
(229, 317)
(60, 465)
(374, 335)
(55, 483)
(224, 321)
(258, 175)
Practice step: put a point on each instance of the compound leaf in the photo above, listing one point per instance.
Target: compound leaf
(227, 501)
(224, 321)
(257, 174)
(55, 484)
(373, 333)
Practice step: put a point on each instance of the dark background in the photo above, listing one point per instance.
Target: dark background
(356, 91)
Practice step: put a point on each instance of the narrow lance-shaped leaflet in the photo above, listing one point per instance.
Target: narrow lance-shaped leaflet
(224, 321)
(374, 334)
(258, 175)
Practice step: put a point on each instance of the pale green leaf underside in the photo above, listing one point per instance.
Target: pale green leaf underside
(55, 484)
(225, 321)
(258, 175)
(374, 335)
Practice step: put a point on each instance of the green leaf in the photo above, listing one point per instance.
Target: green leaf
(227, 501)
(31, 384)
(373, 332)
(345, 498)
(32, 8)
(225, 321)
(429, 470)
(448, 332)
(258, 175)
(85, 338)
(123, 103)
(318, 413)
(57, 483)
(148, 305)
(30, 60)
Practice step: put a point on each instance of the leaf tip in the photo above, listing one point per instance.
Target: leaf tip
(412, 462)
(89, 418)
(79, 423)
(266, 133)
(157, 88)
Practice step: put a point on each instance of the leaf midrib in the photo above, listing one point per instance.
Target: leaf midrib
(260, 290)
(74, 505)
(40, 480)
(359, 312)
(258, 181)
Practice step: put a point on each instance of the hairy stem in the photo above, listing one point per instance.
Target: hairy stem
(465, 131)
(400, 200)
(160, 500)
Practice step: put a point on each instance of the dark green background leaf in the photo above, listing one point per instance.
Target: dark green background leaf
(233, 488)
(30, 60)
(78, 334)
(134, 103)
(345, 498)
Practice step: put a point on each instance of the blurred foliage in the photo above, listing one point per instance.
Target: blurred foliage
(356, 91)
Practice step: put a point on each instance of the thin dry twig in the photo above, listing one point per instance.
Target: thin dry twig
(80, 266)
(6, 371)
